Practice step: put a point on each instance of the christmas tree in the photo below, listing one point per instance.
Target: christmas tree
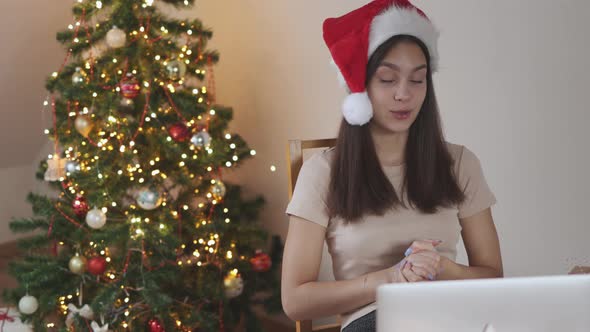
(142, 232)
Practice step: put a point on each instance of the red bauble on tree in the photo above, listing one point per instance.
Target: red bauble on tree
(80, 206)
(155, 326)
(97, 265)
(129, 87)
(260, 262)
(179, 132)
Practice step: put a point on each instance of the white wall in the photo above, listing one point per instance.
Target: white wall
(17, 182)
(29, 54)
(511, 88)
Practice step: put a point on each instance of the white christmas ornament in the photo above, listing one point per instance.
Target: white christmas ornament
(95, 218)
(28, 304)
(85, 312)
(97, 328)
(78, 77)
(116, 37)
(72, 166)
(201, 139)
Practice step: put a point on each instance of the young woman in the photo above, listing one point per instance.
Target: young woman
(393, 197)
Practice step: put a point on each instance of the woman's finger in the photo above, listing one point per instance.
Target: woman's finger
(424, 273)
(422, 245)
(410, 275)
(423, 260)
(399, 276)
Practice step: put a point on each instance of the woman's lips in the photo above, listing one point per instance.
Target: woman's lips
(401, 115)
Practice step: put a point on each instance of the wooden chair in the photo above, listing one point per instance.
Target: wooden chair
(295, 161)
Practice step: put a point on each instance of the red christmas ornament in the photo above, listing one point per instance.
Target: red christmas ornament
(80, 206)
(179, 132)
(129, 87)
(97, 265)
(155, 326)
(260, 262)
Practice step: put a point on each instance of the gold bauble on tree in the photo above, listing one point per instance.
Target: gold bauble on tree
(83, 125)
(77, 264)
(233, 284)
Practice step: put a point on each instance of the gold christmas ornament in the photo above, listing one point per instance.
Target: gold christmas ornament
(78, 264)
(83, 125)
(233, 284)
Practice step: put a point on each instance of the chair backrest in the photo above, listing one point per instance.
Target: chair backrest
(295, 161)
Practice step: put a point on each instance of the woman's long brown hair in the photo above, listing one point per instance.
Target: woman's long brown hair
(358, 185)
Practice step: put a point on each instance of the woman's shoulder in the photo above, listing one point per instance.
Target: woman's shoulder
(463, 157)
(316, 169)
(320, 160)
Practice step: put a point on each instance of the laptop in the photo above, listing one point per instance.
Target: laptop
(523, 304)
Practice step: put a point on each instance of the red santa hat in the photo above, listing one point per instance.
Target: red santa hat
(353, 37)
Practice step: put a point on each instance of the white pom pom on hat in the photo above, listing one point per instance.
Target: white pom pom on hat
(353, 37)
(357, 108)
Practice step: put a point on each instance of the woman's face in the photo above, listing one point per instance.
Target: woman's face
(398, 88)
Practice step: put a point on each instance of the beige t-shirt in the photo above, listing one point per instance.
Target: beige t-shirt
(379, 242)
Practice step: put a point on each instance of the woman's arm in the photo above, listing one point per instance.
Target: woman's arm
(483, 250)
(304, 297)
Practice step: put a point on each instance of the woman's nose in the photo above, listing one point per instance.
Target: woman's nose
(402, 92)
